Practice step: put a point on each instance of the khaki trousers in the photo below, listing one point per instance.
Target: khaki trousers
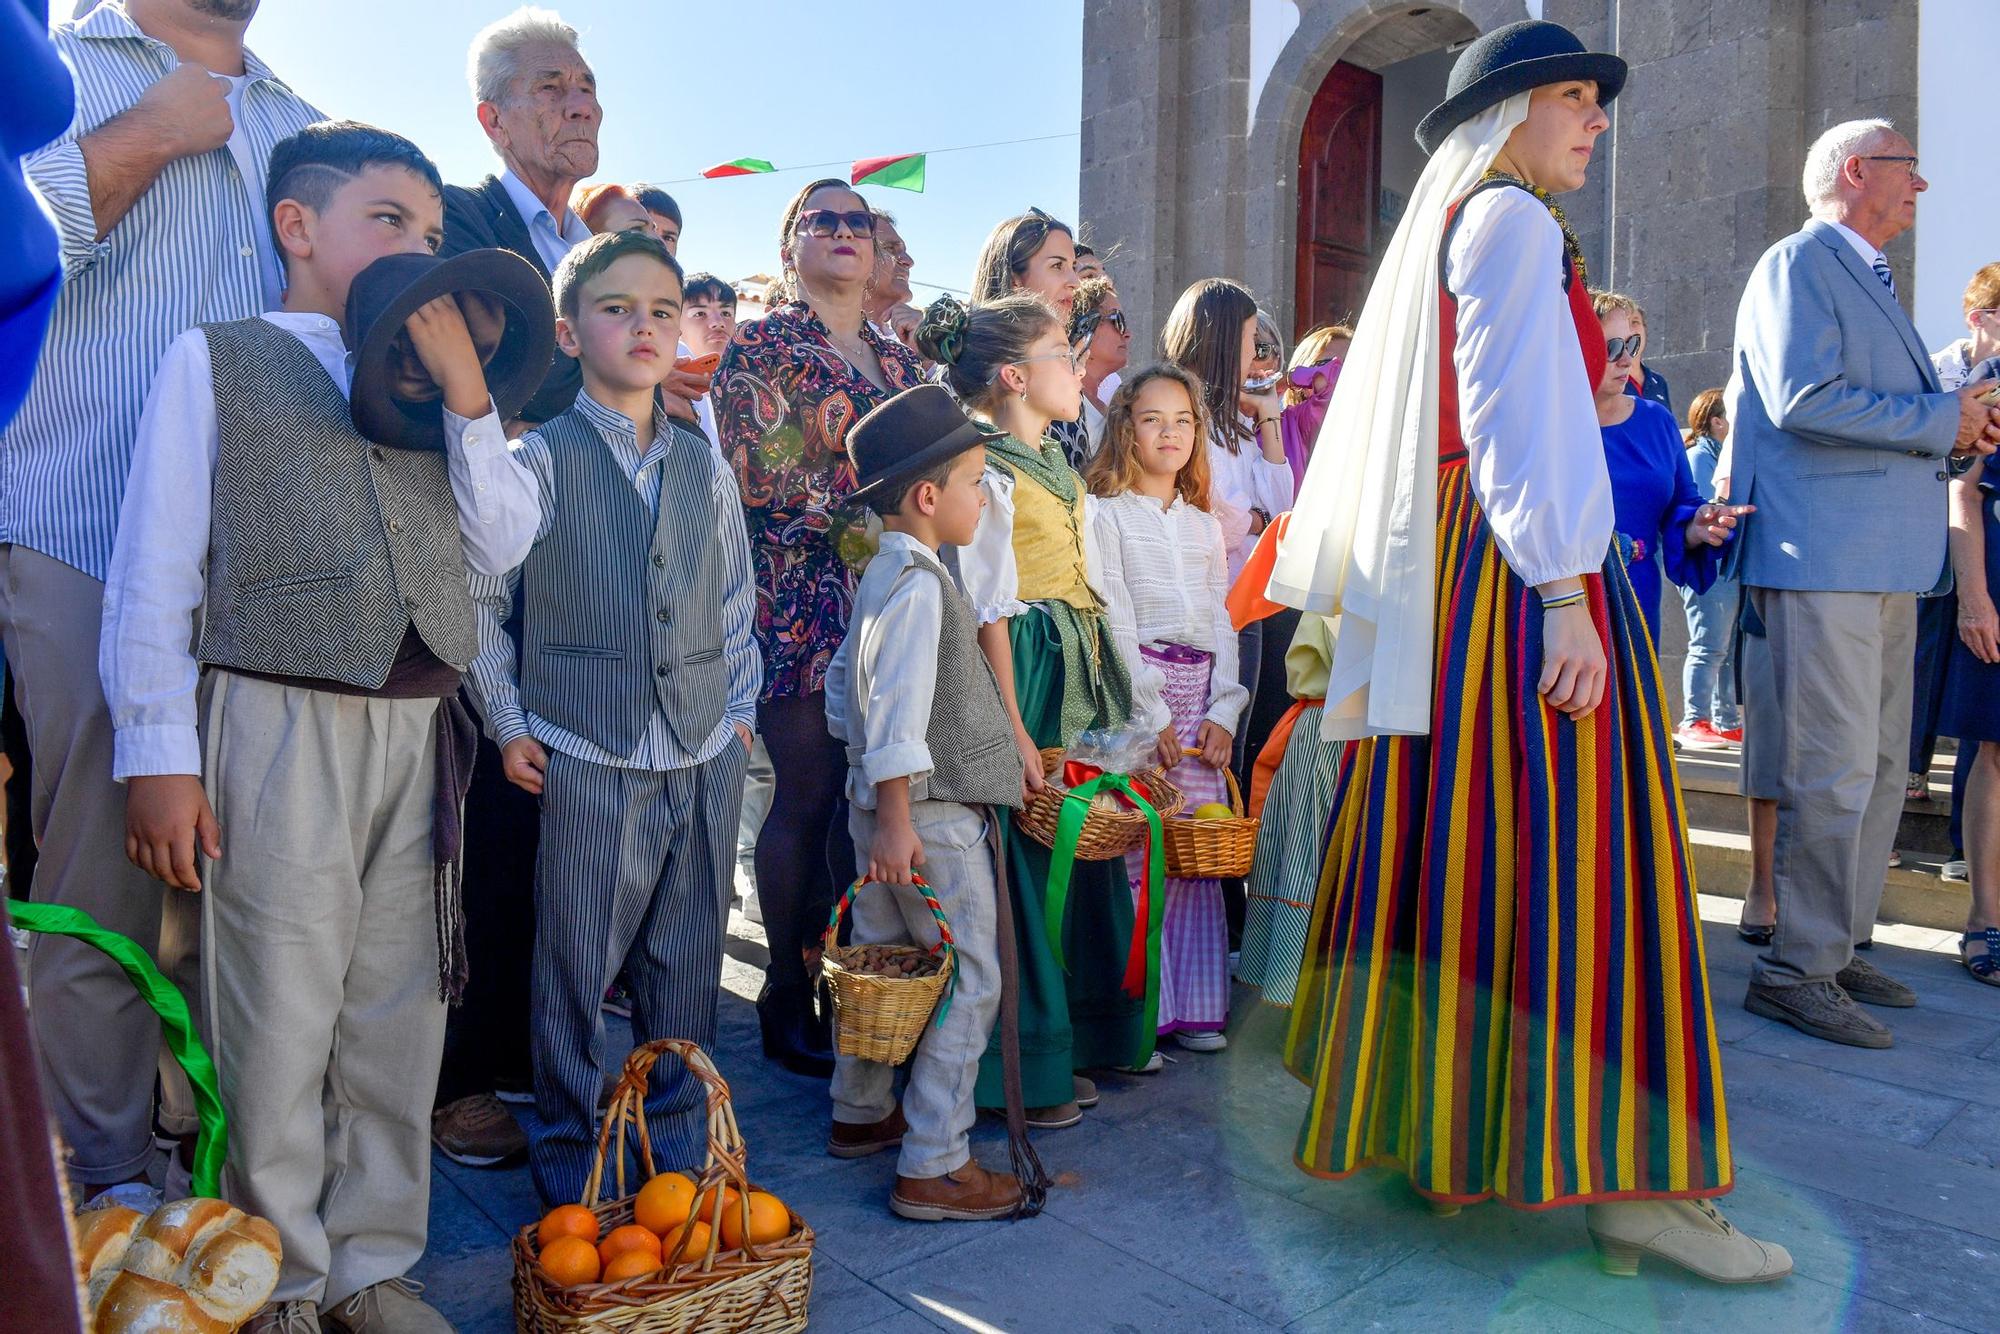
(98, 1043)
(320, 958)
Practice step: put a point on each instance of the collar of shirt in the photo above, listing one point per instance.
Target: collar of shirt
(321, 335)
(542, 224)
(895, 541)
(622, 434)
(110, 22)
(1869, 254)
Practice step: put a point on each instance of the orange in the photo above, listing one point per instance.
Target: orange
(769, 1222)
(570, 1261)
(630, 1237)
(695, 1247)
(631, 1264)
(704, 1208)
(664, 1203)
(567, 1220)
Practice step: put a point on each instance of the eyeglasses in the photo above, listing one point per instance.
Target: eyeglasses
(1087, 326)
(1265, 351)
(824, 222)
(1617, 349)
(1074, 358)
(1909, 160)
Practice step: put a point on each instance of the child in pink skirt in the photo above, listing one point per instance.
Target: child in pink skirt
(1163, 555)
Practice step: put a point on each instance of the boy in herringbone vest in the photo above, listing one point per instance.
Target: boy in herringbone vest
(930, 753)
(627, 705)
(304, 747)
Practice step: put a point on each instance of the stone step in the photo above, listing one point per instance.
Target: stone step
(1912, 893)
(1709, 787)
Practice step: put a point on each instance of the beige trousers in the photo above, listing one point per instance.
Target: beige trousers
(320, 960)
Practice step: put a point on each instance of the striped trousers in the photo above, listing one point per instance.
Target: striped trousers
(633, 873)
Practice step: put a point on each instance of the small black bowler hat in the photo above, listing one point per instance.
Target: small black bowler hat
(1513, 60)
(916, 430)
(382, 298)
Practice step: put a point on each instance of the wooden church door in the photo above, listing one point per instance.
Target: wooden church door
(1340, 156)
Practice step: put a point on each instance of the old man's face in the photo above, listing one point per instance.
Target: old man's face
(547, 124)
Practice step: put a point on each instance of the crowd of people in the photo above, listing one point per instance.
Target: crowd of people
(430, 610)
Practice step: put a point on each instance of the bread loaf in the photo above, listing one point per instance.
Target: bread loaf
(235, 1271)
(102, 1236)
(173, 1232)
(136, 1304)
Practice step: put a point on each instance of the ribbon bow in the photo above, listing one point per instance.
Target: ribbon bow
(1142, 961)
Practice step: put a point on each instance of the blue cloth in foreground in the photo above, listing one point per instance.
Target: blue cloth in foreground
(40, 101)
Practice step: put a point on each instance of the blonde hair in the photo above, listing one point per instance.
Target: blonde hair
(1114, 468)
(1603, 303)
(1983, 292)
(1311, 351)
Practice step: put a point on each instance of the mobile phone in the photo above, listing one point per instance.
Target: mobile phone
(699, 365)
(1261, 383)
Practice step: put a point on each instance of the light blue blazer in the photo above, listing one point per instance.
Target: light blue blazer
(1839, 433)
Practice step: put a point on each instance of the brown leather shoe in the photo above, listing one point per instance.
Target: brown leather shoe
(1059, 1117)
(968, 1195)
(851, 1141)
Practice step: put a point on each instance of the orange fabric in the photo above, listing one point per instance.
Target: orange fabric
(1268, 759)
(1246, 601)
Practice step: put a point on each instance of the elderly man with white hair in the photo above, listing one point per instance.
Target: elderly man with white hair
(1844, 441)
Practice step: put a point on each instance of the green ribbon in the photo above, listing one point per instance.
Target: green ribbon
(176, 1025)
(1146, 943)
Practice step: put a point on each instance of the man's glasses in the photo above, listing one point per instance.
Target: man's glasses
(1617, 349)
(1909, 160)
(824, 222)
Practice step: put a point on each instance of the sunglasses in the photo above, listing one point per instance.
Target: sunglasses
(1087, 326)
(824, 222)
(1265, 351)
(1617, 349)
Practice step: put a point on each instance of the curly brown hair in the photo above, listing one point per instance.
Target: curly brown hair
(1114, 468)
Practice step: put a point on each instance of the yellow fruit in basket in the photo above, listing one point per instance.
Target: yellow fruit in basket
(694, 1247)
(570, 1261)
(630, 1237)
(769, 1221)
(631, 1265)
(664, 1203)
(567, 1220)
(1214, 810)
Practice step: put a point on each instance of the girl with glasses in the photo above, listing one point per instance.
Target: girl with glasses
(1097, 328)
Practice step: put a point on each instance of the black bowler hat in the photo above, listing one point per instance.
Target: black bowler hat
(911, 433)
(1513, 60)
(382, 298)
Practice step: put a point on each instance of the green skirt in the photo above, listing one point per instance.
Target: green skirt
(1080, 1019)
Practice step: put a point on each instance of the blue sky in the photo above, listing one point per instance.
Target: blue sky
(685, 86)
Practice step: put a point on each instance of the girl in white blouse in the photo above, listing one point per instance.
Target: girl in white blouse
(1163, 549)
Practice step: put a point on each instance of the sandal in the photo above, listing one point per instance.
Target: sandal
(1983, 967)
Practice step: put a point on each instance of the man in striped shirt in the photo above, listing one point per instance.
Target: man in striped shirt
(157, 191)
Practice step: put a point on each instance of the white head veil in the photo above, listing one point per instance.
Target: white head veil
(1361, 541)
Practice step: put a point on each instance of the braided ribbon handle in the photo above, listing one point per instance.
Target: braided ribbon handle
(946, 948)
(176, 1025)
(1142, 961)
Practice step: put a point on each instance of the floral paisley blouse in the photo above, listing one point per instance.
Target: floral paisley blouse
(784, 403)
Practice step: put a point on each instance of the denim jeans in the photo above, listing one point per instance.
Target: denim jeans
(1709, 679)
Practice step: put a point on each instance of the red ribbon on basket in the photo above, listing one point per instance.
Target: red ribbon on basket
(1075, 773)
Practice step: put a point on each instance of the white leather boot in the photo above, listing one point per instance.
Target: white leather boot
(1691, 1233)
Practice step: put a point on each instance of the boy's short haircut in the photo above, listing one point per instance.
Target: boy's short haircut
(312, 164)
(707, 287)
(887, 499)
(599, 253)
(655, 200)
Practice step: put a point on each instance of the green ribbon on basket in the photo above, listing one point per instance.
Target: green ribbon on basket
(1142, 962)
(176, 1025)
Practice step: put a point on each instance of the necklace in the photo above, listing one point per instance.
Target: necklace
(1571, 249)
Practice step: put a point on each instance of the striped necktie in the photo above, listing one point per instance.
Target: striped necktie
(1882, 272)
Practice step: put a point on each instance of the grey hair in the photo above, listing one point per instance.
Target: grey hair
(1829, 153)
(494, 63)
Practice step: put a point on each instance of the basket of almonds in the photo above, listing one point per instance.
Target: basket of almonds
(884, 995)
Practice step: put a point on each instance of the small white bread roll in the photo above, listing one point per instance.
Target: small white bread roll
(136, 1304)
(235, 1271)
(173, 1232)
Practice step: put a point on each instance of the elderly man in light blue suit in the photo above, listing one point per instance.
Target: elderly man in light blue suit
(1843, 442)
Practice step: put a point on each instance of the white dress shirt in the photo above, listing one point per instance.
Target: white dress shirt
(552, 239)
(495, 673)
(157, 579)
(270, 275)
(1169, 563)
(1863, 247)
(1240, 482)
(877, 704)
(1527, 413)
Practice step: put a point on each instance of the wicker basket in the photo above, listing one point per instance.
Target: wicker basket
(880, 1018)
(1212, 849)
(755, 1290)
(1106, 834)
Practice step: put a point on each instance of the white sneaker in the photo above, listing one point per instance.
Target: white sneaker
(1955, 870)
(1154, 1064)
(1202, 1041)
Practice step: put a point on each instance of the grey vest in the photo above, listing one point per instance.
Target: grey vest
(973, 757)
(622, 610)
(323, 549)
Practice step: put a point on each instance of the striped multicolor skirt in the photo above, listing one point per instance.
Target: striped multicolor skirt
(1503, 992)
(1285, 874)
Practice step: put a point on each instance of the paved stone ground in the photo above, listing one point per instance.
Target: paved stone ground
(1181, 1209)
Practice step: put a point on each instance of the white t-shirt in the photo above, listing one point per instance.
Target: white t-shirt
(270, 276)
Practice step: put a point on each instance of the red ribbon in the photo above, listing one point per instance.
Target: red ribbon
(1075, 773)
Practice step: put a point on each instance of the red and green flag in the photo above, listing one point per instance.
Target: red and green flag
(742, 166)
(904, 171)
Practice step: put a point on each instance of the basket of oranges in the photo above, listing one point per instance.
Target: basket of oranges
(885, 995)
(1214, 841)
(683, 1254)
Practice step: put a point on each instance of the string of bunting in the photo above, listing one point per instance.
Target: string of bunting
(897, 171)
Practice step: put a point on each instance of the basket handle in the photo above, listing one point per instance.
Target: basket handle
(946, 947)
(1228, 773)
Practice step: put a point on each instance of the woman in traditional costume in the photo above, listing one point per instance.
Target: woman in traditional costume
(1503, 992)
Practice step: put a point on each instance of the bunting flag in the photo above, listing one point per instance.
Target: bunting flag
(904, 171)
(742, 166)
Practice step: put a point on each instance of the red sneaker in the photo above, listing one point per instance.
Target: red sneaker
(1733, 735)
(1699, 735)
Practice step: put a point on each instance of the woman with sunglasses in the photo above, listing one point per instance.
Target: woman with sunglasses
(788, 389)
(1098, 332)
(1035, 253)
(1663, 522)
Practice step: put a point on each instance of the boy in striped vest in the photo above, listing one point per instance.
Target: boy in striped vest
(626, 703)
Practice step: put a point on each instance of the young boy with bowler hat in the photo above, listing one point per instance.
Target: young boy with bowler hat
(931, 754)
(303, 764)
(626, 704)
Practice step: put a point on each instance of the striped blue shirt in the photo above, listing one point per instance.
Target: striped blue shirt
(495, 674)
(186, 254)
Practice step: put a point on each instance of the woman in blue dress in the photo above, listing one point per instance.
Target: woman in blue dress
(1971, 710)
(1662, 519)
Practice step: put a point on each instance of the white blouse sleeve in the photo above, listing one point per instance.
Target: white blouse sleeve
(1525, 408)
(1275, 485)
(986, 564)
(1226, 696)
(1104, 559)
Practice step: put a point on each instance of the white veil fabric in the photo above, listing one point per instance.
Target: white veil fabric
(1361, 541)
